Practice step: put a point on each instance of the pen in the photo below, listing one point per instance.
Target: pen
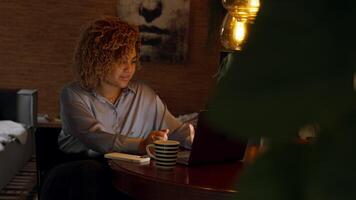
(164, 113)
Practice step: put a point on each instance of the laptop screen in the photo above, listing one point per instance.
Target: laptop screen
(212, 145)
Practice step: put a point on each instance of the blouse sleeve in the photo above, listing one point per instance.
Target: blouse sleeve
(182, 132)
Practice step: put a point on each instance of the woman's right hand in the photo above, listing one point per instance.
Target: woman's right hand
(153, 136)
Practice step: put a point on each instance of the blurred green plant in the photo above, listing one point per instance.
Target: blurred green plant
(296, 68)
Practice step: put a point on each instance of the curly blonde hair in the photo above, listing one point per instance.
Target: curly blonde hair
(103, 43)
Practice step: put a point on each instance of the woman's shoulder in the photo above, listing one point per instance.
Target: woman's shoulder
(74, 89)
(140, 87)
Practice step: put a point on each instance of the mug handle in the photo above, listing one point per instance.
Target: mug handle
(149, 151)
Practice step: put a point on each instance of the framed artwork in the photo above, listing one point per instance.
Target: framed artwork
(163, 26)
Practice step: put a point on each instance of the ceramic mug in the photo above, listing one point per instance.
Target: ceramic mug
(165, 153)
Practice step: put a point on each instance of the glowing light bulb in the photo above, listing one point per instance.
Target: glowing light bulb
(239, 31)
(233, 33)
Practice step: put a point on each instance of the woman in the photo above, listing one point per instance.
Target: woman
(104, 110)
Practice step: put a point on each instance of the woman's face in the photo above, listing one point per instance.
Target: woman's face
(123, 71)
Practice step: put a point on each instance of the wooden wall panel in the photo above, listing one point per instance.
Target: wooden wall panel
(37, 40)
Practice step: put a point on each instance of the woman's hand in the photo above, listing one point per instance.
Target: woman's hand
(153, 136)
(157, 135)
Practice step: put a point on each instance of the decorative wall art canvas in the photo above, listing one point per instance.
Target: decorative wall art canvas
(163, 26)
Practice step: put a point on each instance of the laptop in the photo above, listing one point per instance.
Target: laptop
(211, 145)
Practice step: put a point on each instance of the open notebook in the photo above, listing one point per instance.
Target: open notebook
(211, 145)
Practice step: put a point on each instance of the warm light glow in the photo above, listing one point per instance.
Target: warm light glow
(239, 31)
(242, 9)
(254, 3)
(234, 30)
(254, 6)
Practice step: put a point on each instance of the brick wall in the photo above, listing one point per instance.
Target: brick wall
(37, 40)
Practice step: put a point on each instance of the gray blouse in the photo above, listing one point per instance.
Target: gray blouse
(92, 124)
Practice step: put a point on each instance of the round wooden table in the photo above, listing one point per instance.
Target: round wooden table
(214, 181)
